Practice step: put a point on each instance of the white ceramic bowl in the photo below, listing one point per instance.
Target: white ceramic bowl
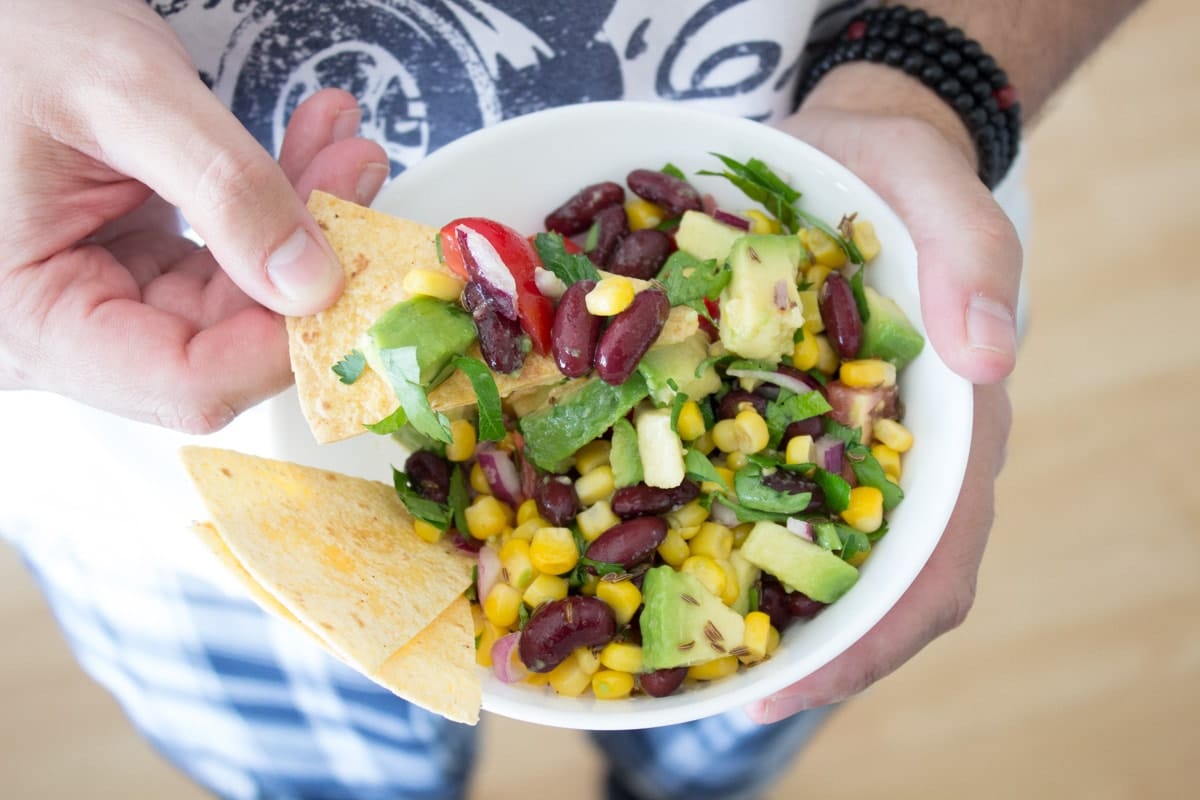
(519, 170)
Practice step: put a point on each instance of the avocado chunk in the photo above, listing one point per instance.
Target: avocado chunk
(888, 333)
(437, 329)
(553, 434)
(799, 564)
(702, 236)
(760, 308)
(678, 362)
(684, 623)
(626, 463)
(660, 449)
(747, 575)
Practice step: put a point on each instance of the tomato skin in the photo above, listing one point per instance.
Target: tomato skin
(535, 311)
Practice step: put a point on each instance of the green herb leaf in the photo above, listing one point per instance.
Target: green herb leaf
(700, 468)
(351, 367)
(491, 419)
(825, 534)
(835, 488)
(592, 238)
(848, 247)
(458, 499)
(673, 171)
(420, 507)
(747, 514)
(676, 404)
(753, 493)
(688, 280)
(523, 615)
(569, 267)
(753, 597)
(760, 183)
(472, 591)
(601, 568)
(404, 374)
(870, 473)
(837, 430)
(860, 296)
(853, 542)
(392, 423)
(789, 408)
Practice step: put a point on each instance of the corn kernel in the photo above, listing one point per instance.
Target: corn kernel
(591, 455)
(863, 235)
(865, 509)
(545, 588)
(799, 450)
(608, 684)
(867, 373)
(487, 517)
(772, 640)
(622, 656)
(537, 678)
(527, 511)
(590, 582)
(707, 571)
(736, 460)
(824, 249)
(713, 540)
(827, 360)
(893, 434)
(812, 311)
(674, 549)
(589, 662)
(859, 557)
(611, 296)
(514, 558)
(687, 515)
(732, 587)
(462, 446)
(643, 214)
(430, 533)
(623, 597)
(478, 618)
(688, 531)
(724, 436)
(594, 486)
(595, 520)
(804, 352)
(815, 276)
(553, 551)
(889, 459)
(432, 283)
(751, 430)
(690, 424)
(569, 679)
(741, 532)
(712, 670)
(484, 642)
(703, 443)
(479, 480)
(528, 528)
(758, 632)
(761, 223)
(502, 605)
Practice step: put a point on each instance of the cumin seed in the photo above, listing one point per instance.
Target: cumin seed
(687, 598)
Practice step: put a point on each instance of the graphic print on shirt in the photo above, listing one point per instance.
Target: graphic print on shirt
(429, 71)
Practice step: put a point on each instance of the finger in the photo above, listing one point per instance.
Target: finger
(352, 169)
(938, 599)
(199, 157)
(330, 115)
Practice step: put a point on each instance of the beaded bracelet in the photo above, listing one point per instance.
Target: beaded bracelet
(944, 59)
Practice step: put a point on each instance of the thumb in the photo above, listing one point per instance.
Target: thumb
(193, 152)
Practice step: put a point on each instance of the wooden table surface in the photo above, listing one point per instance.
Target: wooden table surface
(1077, 674)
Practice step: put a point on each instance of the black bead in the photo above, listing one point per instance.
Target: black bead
(893, 55)
(855, 49)
(874, 49)
(913, 63)
(931, 47)
(949, 87)
(986, 64)
(932, 74)
(950, 59)
(936, 26)
(917, 16)
(963, 102)
(897, 13)
(977, 118)
(990, 104)
(891, 31)
(911, 37)
(968, 74)
(999, 79)
(971, 49)
(873, 30)
(981, 90)
(955, 37)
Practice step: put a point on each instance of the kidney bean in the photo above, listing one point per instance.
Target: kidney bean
(556, 501)
(782, 480)
(773, 601)
(611, 226)
(499, 337)
(630, 542)
(843, 325)
(429, 474)
(556, 628)
(641, 254)
(630, 335)
(803, 427)
(640, 500)
(731, 403)
(673, 194)
(801, 606)
(662, 682)
(575, 331)
(576, 215)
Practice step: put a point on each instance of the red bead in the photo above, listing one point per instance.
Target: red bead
(856, 30)
(1006, 96)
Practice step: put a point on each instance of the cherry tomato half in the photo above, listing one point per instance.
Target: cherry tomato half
(516, 254)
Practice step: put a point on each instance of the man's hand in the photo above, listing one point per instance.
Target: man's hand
(101, 299)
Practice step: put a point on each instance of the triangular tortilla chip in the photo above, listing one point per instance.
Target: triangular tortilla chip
(435, 670)
(376, 250)
(339, 553)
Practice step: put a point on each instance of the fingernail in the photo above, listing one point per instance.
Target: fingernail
(775, 709)
(303, 270)
(370, 181)
(345, 124)
(990, 326)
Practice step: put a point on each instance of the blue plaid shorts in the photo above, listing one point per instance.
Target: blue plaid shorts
(249, 708)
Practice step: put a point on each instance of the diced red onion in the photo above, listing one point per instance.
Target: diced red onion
(789, 382)
(548, 283)
(708, 204)
(506, 658)
(487, 573)
(466, 543)
(828, 452)
(732, 220)
(489, 271)
(723, 515)
(800, 527)
(501, 473)
(781, 295)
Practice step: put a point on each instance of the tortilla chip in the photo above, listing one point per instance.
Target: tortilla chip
(435, 670)
(339, 553)
(376, 251)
